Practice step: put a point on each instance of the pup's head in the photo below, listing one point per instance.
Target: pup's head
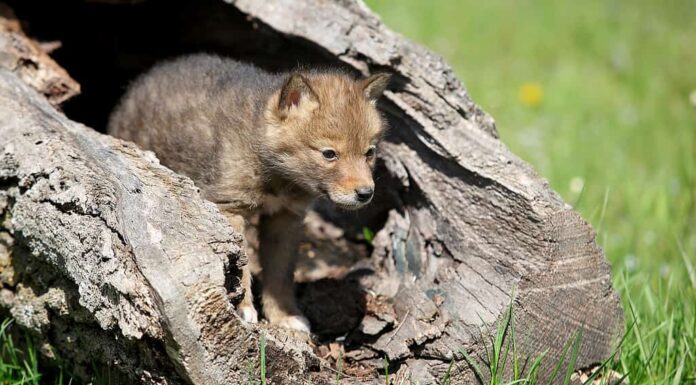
(322, 132)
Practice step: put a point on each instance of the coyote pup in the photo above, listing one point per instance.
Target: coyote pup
(260, 143)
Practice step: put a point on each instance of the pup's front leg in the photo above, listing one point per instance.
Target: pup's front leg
(279, 235)
(246, 308)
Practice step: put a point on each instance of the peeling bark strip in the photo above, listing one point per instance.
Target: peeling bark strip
(30, 62)
(106, 256)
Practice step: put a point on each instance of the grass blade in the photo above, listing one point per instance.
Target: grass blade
(689, 267)
(474, 366)
(561, 359)
(573, 356)
(263, 359)
(446, 380)
(339, 367)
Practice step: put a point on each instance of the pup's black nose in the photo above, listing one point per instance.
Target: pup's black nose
(364, 193)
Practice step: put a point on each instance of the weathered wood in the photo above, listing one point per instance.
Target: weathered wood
(95, 233)
(28, 60)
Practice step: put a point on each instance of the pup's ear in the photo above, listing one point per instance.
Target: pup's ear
(374, 85)
(296, 91)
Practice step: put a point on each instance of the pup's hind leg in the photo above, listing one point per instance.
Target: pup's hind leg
(246, 308)
(279, 235)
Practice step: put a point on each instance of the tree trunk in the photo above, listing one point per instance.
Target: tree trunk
(107, 256)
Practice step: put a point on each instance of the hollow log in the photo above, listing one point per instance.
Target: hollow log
(106, 256)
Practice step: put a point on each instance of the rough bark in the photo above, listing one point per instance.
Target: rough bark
(29, 61)
(98, 242)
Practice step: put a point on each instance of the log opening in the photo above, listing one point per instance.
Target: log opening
(104, 46)
(461, 223)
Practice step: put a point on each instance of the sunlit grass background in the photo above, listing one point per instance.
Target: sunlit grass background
(596, 95)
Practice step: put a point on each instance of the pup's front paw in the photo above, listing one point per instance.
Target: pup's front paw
(295, 322)
(248, 313)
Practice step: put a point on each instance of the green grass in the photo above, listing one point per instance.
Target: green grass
(614, 133)
(20, 363)
(503, 345)
(21, 366)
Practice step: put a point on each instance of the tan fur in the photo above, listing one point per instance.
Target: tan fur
(255, 143)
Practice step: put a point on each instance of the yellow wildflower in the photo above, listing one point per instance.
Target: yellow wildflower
(531, 94)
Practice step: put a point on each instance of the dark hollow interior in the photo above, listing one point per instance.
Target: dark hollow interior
(105, 45)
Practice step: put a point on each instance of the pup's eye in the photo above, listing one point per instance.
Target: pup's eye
(370, 152)
(329, 154)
